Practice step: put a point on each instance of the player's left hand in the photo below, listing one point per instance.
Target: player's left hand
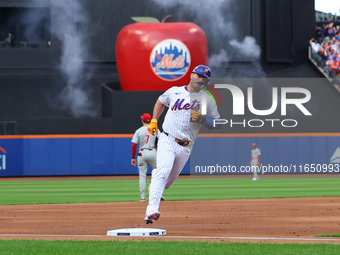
(197, 117)
(259, 165)
(133, 162)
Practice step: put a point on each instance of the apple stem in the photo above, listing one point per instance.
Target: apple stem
(167, 17)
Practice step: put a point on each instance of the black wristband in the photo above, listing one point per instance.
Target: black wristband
(201, 119)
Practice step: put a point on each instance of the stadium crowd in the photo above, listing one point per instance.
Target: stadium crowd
(325, 47)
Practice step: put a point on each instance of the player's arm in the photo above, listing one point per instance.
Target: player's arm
(157, 112)
(258, 161)
(208, 120)
(211, 125)
(213, 115)
(133, 158)
(199, 118)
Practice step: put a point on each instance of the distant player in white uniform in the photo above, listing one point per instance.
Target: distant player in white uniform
(255, 161)
(180, 129)
(146, 154)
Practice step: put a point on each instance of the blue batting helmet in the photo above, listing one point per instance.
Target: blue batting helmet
(202, 70)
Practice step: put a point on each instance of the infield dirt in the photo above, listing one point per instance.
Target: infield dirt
(183, 220)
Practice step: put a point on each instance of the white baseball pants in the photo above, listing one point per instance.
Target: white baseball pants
(171, 158)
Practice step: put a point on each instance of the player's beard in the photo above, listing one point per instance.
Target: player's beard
(196, 84)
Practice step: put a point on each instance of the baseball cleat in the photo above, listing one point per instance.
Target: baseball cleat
(254, 179)
(147, 221)
(151, 217)
(142, 199)
(162, 198)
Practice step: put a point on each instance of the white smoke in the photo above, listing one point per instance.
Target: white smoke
(216, 17)
(69, 22)
(215, 60)
(247, 47)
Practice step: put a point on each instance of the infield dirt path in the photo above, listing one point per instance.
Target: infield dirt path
(269, 218)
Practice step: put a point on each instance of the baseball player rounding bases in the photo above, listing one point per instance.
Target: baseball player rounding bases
(180, 129)
(146, 154)
(255, 161)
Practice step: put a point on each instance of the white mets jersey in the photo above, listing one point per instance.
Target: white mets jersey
(181, 105)
(144, 138)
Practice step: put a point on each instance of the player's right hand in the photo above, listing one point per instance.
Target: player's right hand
(153, 127)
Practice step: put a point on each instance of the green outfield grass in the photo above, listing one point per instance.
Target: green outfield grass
(110, 190)
(36, 247)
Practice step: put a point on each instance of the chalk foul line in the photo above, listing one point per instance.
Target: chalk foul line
(190, 237)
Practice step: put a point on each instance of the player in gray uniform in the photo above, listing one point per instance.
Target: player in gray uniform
(146, 154)
(255, 161)
(180, 129)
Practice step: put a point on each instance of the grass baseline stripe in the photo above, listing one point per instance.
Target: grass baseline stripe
(253, 238)
(190, 237)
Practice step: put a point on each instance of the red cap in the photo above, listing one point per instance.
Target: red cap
(254, 144)
(146, 117)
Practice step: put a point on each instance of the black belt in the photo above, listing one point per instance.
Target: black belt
(179, 141)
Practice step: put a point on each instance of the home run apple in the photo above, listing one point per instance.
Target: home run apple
(157, 56)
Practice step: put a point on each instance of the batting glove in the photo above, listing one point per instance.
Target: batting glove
(153, 127)
(197, 117)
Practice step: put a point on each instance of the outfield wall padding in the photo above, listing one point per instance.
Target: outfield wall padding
(76, 155)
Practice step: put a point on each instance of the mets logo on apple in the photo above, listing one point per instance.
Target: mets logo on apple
(170, 59)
